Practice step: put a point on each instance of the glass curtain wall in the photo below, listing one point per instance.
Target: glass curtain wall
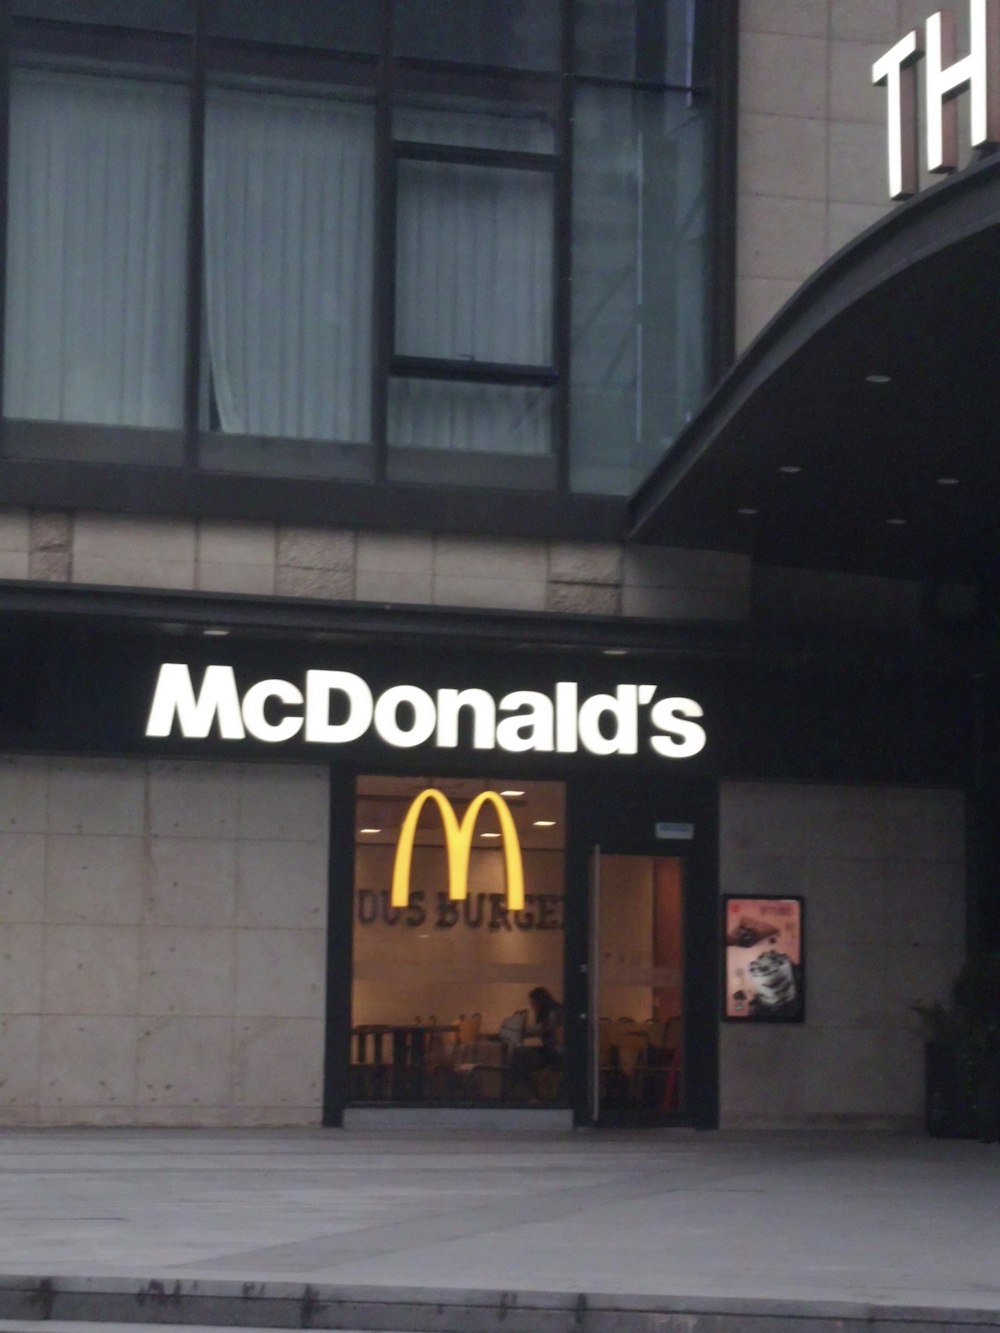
(466, 245)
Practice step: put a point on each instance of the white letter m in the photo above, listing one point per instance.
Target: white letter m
(175, 697)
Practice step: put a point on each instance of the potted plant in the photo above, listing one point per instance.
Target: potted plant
(962, 1068)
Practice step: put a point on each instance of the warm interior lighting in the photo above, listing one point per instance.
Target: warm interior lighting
(512, 793)
(489, 835)
(371, 830)
(545, 823)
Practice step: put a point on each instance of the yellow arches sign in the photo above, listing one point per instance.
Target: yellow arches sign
(458, 844)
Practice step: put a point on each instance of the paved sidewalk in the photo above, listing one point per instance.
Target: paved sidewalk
(825, 1222)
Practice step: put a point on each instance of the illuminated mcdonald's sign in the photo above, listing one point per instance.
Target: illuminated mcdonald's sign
(458, 844)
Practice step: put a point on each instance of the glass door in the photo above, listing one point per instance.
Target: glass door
(636, 971)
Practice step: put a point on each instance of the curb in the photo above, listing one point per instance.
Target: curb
(281, 1305)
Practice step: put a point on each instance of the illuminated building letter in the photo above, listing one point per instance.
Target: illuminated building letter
(531, 729)
(682, 739)
(360, 705)
(175, 697)
(896, 70)
(946, 77)
(566, 717)
(623, 707)
(484, 714)
(387, 723)
(254, 702)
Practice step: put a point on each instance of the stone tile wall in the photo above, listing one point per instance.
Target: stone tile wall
(882, 872)
(162, 942)
(812, 137)
(391, 568)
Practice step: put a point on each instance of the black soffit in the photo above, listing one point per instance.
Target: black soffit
(915, 298)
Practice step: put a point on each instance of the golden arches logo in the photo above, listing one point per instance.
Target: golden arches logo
(458, 844)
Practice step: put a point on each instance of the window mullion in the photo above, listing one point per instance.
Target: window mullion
(384, 250)
(196, 242)
(5, 57)
(562, 244)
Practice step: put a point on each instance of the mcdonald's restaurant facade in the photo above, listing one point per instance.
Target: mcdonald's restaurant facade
(498, 604)
(211, 827)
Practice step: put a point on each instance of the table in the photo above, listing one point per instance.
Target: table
(403, 1078)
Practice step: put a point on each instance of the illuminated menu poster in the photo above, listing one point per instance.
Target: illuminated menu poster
(764, 977)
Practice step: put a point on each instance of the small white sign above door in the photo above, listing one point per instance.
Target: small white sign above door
(680, 832)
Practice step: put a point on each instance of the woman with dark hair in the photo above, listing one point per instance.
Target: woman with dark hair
(546, 1023)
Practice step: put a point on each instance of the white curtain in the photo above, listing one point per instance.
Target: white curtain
(96, 250)
(474, 277)
(289, 224)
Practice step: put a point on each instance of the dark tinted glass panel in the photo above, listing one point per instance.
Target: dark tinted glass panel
(469, 123)
(348, 25)
(522, 34)
(157, 15)
(96, 250)
(474, 259)
(639, 278)
(470, 418)
(660, 41)
(289, 199)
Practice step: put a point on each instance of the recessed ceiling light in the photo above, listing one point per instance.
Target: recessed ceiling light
(370, 830)
(789, 468)
(896, 522)
(879, 379)
(947, 481)
(615, 652)
(489, 835)
(747, 512)
(512, 793)
(215, 633)
(545, 823)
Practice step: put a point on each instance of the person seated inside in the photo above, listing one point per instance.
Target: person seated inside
(528, 1061)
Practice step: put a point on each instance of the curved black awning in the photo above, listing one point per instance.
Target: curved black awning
(916, 298)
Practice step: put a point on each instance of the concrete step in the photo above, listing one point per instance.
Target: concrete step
(126, 1305)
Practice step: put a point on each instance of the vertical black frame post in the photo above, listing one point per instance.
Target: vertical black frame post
(723, 191)
(563, 288)
(195, 238)
(339, 947)
(383, 281)
(5, 50)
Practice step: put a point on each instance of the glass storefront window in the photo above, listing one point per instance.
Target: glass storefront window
(640, 235)
(440, 987)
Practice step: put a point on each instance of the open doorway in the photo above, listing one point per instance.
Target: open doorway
(637, 987)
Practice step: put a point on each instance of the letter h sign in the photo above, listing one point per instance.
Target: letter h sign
(944, 78)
